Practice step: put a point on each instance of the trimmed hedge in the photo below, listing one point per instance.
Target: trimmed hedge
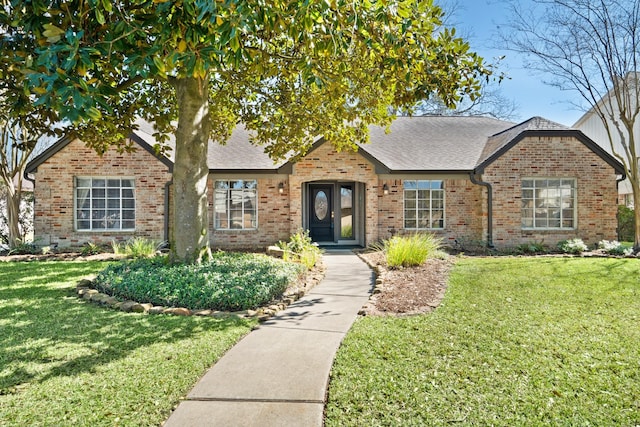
(230, 281)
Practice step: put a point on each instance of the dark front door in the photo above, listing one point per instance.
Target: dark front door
(321, 212)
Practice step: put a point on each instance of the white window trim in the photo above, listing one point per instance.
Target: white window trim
(214, 206)
(575, 205)
(102, 230)
(444, 207)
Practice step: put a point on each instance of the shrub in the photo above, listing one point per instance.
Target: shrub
(572, 246)
(25, 248)
(138, 247)
(230, 281)
(626, 224)
(301, 249)
(90, 248)
(531, 248)
(614, 247)
(411, 250)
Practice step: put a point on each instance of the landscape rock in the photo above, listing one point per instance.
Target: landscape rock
(275, 251)
(156, 309)
(127, 306)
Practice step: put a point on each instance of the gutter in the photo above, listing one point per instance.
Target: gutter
(476, 181)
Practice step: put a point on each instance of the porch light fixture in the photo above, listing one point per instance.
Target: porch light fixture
(385, 189)
(281, 188)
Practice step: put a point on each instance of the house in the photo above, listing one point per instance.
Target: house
(591, 125)
(466, 179)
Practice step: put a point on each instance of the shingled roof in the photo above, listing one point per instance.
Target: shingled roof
(430, 144)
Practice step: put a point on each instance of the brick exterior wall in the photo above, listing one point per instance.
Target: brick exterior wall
(463, 210)
(557, 157)
(326, 164)
(54, 193)
(274, 217)
(281, 214)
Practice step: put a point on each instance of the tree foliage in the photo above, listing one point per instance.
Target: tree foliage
(592, 48)
(23, 124)
(290, 70)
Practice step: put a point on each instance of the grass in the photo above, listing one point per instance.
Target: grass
(517, 341)
(67, 362)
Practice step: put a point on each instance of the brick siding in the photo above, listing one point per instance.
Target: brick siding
(326, 164)
(556, 157)
(281, 214)
(54, 194)
(273, 218)
(463, 211)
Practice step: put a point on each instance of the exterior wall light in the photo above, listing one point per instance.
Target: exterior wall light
(281, 188)
(385, 189)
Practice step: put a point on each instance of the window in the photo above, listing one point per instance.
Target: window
(549, 203)
(235, 206)
(423, 204)
(105, 204)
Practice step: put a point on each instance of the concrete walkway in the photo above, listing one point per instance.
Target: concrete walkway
(278, 374)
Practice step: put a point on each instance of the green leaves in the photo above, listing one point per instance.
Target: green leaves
(230, 281)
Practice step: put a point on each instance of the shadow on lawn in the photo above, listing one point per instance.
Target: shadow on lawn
(46, 332)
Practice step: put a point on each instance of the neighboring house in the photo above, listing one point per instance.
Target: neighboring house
(470, 179)
(591, 125)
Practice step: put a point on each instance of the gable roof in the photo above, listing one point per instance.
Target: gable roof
(429, 144)
(501, 142)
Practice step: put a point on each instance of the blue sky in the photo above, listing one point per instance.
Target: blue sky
(477, 21)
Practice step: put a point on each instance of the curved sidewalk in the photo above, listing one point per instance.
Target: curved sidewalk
(278, 374)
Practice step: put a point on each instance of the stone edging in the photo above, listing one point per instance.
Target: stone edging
(379, 271)
(85, 289)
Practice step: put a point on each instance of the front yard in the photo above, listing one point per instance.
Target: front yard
(67, 362)
(516, 341)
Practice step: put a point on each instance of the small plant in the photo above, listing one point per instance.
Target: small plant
(614, 247)
(90, 248)
(25, 249)
(300, 248)
(572, 246)
(411, 250)
(138, 247)
(531, 248)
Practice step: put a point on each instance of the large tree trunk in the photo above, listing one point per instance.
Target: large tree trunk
(13, 216)
(190, 172)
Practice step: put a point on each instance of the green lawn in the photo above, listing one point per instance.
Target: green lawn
(517, 341)
(67, 362)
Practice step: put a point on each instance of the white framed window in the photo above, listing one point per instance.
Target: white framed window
(105, 204)
(549, 203)
(423, 204)
(235, 205)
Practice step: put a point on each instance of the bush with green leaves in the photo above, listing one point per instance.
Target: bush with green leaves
(300, 248)
(91, 248)
(412, 249)
(626, 223)
(138, 247)
(229, 281)
(614, 247)
(531, 248)
(572, 246)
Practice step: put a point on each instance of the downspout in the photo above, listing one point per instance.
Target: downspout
(476, 181)
(166, 210)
